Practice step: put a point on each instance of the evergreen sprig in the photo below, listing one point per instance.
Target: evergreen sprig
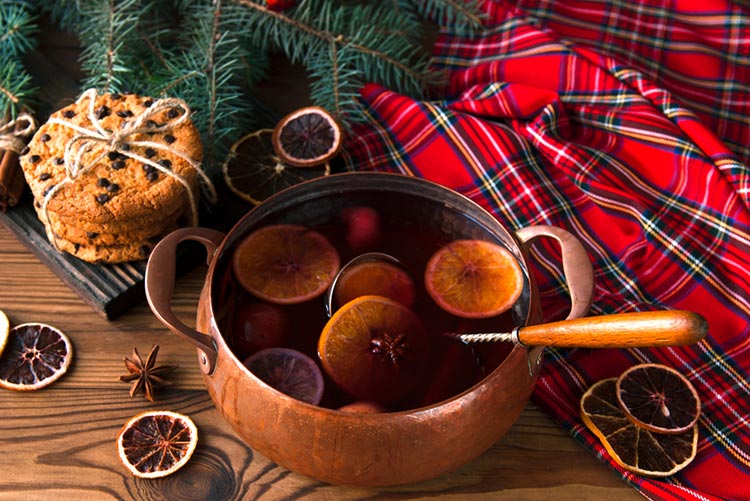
(343, 46)
(18, 30)
(461, 16)
(206, 67)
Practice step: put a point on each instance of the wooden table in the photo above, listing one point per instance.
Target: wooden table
(59, 442)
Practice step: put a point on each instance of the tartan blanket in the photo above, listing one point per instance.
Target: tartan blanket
(626, 123)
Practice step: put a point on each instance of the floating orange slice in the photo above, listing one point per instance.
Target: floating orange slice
(157, 443)
(374, 348)
(34, 356)
(375, 277)
(285, 263)
(474, 278)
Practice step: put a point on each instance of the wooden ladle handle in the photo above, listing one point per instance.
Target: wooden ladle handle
(622, 330)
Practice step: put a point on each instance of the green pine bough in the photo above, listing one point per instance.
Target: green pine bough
(17, 36)
(211, 53)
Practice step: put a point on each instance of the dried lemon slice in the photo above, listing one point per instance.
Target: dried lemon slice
(157, 443)
(658, 398)
(631, 446)
(307, 137)
(35, 356)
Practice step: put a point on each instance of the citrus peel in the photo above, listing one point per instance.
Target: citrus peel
(155, 444)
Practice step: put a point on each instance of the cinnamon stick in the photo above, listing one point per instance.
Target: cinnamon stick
(12, 181)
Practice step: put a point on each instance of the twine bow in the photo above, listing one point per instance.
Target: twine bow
(11, 138)
(121, 141)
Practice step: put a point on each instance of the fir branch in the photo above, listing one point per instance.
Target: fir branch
(463, 17)
(345, 46)
(17, 30)
(107, 27)
(202, 67)
(17, 35)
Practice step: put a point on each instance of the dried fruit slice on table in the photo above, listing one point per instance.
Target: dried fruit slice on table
(374, 348)
(289, 371)
(658, 398)
(307, 137)
(631, 446)
(285, 263)
(156, 443)
(254, 172)
(4, 330)
(34, 356)
(474, 278)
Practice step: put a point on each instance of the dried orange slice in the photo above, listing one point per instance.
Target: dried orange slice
(289, 371)
(254, 172)
(34, 356)
(631, 446)
(156, 443)
(474, 278)
(307, 137)
(4, 329)
(658, 398)
(374, 348)
(285, 263)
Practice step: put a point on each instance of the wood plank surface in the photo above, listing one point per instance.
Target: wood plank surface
(59, 442)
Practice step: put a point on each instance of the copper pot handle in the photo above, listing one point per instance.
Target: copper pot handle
(160, 280)
(579, 274)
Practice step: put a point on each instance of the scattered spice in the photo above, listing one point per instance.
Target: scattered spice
(145, 376)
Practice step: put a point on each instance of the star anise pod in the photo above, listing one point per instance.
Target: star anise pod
(145, 376)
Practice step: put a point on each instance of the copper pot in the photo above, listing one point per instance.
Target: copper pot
(364, 449)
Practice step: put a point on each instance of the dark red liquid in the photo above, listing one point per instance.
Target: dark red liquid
(451, 366)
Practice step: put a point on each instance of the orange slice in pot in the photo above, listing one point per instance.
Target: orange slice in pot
(658, 398)
(474, 278)
(157, 443)
(307, 137)
(285, 263)
(254, 172)
(35, 355)
(375, 277)
(374, 348)
(631, 446)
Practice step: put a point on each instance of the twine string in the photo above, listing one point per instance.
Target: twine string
(121, 141)
(11, 138)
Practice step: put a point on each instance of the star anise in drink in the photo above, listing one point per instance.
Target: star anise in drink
(145, 376)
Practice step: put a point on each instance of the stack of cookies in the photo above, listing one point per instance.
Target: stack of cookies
(107, 196)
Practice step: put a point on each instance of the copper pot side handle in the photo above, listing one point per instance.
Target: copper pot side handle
(160, 281)
(579, 274)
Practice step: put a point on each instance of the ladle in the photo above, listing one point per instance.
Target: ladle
(619, 330)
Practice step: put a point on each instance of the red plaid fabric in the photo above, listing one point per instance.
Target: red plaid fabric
(627, 124)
